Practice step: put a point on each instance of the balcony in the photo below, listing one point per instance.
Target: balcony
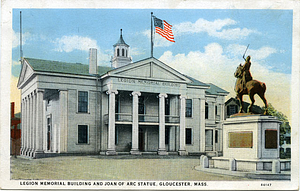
(126, 118)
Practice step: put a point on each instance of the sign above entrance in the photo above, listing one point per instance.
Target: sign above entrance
(148, 82)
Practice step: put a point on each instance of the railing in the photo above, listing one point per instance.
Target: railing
(124, 117)
(172, 119)
(127, 117)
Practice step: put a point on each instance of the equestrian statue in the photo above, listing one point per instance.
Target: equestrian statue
(246, 85)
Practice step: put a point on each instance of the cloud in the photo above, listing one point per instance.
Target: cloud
(136, 51)
(237, 50)
(215, 66)
(16, 38)
(75, 42)
(16, 63)
(219, 28)
(213, 28)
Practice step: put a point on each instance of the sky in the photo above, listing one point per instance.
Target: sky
(209, 43)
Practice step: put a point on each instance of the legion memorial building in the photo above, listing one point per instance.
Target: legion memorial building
(145, 107)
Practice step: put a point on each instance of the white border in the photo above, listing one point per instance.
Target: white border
(5, 71)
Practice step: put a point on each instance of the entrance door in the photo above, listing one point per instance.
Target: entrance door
(208, 140)
(49, 129)
(141, 140)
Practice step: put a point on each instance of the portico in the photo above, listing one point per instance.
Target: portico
(145, 110)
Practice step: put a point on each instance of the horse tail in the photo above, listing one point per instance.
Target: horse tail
(264, 87)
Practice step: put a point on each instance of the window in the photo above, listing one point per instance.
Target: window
(141, 108)
(216, 136)
(216, 110)
(232, 109)
(116, 136)
(188, 108)
(288, 140)
(49, 130)
(206, 110)
(167, 106)
(167, 135)
(188, 136)
(82, 134)
(123, 52)
(118, 52)
(82, 102)
(117, 107)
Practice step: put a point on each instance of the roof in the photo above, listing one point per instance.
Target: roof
(196, 82)
(63, 67)
(255, 108)
(121, 41)
(215, 90)
(83, 69)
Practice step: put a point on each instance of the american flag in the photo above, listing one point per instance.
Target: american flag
(164, 29)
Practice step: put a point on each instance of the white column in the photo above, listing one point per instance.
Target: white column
(161, 141)
(44, 127)
(39, 121)
(135, 123)
(202, 125)
(63, 125)
(34, 124)
(23, 122)
(54, 143)
(182, 150)
(29, 125)
(26, 130)
(211, 111)
(111, 150)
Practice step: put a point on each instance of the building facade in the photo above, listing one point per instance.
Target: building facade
(133, 108)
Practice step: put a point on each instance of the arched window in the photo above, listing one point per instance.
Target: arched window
(118, 52)
(123, 52)
(126, 53)
(206, 110)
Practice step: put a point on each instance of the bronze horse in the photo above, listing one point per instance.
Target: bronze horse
(252, 87)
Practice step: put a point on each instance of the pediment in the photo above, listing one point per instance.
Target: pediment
(151, 69)
(26, 73)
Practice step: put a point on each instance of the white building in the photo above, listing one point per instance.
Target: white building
(133, 108)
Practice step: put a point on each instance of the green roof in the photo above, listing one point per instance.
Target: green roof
(215, 90)
(63, 67)
(195, 82)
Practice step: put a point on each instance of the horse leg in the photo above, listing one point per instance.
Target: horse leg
(262, 97)
(251, 95)
(240, 98)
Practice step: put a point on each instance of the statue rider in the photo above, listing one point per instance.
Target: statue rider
(246, 72)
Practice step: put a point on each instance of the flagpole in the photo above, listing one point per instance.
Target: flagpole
(151, 34)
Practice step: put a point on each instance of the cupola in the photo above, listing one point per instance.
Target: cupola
(121, 53)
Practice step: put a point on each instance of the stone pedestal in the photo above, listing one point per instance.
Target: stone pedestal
(250, 143)
(251, 137)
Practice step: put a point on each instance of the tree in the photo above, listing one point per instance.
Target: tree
(285, 126)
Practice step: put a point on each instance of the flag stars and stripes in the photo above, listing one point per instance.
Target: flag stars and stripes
(164, 30)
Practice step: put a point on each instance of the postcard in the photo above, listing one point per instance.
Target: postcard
(155, 95)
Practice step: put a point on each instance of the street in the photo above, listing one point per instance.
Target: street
(121, 167)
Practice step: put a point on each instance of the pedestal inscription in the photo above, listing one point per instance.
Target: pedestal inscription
(243, 139)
